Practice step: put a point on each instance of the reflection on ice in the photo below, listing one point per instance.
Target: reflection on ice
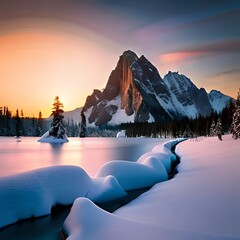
(89, 153)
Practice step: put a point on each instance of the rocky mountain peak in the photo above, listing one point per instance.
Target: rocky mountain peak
(135, 92)
(130, 55)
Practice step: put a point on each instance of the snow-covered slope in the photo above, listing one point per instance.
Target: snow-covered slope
(34, 193)
(73, 115)
(201, 202)
(188, 100)
(218, 100)
(70, 116)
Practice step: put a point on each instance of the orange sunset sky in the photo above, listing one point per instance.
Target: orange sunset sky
(68, 48)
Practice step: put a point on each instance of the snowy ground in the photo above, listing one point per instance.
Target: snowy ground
(34, 193)
(200, 202)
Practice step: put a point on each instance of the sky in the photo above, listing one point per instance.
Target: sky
(67, 48)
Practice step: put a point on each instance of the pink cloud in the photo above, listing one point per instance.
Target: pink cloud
(175, 59)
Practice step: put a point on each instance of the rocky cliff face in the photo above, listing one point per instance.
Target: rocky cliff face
(135, 92)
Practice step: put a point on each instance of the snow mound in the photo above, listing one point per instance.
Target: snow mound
(46, 138)
(132, 175)
(162, 152)
(151, 168)
(167, 148)
(201, 202)
(121, 134)
(34, 193)
(164, 158)
(80, 225)
(106, 189)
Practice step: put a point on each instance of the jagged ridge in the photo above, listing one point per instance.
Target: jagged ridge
(135, 92)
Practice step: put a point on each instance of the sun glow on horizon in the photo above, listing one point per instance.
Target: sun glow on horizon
(36, 66)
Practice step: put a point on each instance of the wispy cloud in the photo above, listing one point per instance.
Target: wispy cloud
(227, 72)
(205, 50)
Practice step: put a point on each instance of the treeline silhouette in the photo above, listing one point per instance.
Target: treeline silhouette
(18, 125)
(184, 127)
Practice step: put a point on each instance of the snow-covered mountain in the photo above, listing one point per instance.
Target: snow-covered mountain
(187, 99)
(72, 116)
(135, 92)
(218, 100)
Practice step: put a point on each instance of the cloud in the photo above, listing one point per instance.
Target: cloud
(176, 58)
(227, 72)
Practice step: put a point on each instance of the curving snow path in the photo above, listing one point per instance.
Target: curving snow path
(201, 202)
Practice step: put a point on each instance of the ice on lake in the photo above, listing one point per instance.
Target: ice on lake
(88, 153)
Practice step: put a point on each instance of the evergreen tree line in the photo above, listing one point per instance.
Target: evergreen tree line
(184, 127)
(18, 125)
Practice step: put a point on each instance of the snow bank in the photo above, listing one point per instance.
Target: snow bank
(34, 193)
(200, 202)
(167, 148)
(162, 152)
(151, 168)
(88, 221)
(46, 138)
(133, 175)
(164, 158)
(121, 134)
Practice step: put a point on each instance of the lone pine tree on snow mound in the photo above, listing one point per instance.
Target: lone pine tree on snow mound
(58, 129)
(57, 132)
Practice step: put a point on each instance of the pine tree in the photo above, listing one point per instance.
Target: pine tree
(212, 129)
(187, 132)
(236, 119)
(218, 129)
(18, 122)
(83, 127)
(39, 125)
(58, 129)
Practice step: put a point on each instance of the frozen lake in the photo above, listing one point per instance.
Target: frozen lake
(88, 153)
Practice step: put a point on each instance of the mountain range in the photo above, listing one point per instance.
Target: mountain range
(135, 92)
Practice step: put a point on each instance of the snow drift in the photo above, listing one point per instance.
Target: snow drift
(34, 193)
(133, 175)
(200, 202)
(151, 168)
(109, 226)
(47, 138)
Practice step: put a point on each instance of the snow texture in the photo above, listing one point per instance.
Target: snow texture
(218, 100)
(132, 175)
(34, 193)
(47, 138)
(200, 202)
(150, 168)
